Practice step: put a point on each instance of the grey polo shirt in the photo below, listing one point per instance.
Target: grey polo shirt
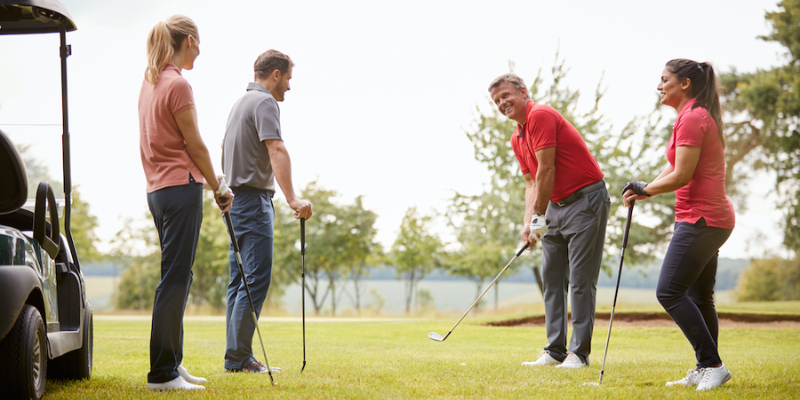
(253, 119)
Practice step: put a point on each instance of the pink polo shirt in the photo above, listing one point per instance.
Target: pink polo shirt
(165, 159)
(704, 196)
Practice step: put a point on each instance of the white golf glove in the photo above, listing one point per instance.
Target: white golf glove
(223, 189)
(538, 226)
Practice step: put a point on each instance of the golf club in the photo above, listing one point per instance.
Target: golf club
(303, 283)
(235, 244)
(614, 304)
(437, 337)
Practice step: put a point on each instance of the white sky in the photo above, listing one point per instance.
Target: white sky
(381, 93)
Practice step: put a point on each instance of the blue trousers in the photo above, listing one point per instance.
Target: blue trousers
(572, 251)
(253, 220)
(177, 213)
(686, 286)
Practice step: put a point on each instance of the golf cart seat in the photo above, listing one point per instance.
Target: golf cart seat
(14, 179)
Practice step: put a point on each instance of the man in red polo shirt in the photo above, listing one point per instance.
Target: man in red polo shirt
(567, 201)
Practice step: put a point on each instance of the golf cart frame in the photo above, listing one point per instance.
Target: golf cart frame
(40, 274)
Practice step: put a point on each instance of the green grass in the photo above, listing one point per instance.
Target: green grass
(395, 359)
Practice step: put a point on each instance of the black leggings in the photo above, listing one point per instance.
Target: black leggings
(686, 286)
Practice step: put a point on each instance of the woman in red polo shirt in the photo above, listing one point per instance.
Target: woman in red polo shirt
(704, 216)
(176, 164)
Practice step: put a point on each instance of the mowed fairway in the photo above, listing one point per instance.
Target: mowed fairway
(395, 359)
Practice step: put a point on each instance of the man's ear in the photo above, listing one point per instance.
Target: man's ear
(276, 75)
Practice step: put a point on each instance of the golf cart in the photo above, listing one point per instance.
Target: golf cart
(45, 319)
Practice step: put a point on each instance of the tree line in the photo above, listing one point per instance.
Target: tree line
(761, 114)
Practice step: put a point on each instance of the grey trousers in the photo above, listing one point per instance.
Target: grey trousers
(572, 255)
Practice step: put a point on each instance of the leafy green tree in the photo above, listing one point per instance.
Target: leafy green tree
(770, 279)
(211, 269)
(136, 248)
(415, 252)
(763, 108)
(340, 239)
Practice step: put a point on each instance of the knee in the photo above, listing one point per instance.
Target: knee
(666, 297)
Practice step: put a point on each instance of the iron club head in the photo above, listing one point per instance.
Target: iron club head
(435, 336)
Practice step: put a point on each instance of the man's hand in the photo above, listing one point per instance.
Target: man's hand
(302, 208)
(535, 230)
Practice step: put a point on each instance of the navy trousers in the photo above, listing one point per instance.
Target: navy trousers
(177, 213)
(686, 286)
(252, 215)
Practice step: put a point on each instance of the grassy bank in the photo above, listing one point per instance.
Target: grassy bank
(395, 359)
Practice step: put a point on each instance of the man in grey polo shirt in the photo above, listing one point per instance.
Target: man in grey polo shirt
(253, 157)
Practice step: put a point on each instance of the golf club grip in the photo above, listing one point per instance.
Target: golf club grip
(628, 225)
(302, 236)
(525, 246)
(231, 232)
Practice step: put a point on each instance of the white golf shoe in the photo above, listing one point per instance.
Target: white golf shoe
(544, 359)
(692, 378)
(189, 378)
(176, 384)
(713, 377)
(573, 361)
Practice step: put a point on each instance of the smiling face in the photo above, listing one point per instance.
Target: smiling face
(510, 101)
(674, 93)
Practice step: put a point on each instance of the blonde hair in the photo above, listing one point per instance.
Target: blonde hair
(164, 41)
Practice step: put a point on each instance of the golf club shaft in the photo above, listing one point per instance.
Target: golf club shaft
(487, 289)
(235, 244)
(619, 278)
(303, 283)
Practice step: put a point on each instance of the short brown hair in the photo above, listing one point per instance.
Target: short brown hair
(269, 61)
(511, 78)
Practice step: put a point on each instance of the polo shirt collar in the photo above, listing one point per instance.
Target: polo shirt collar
(255, 86)
(521, 127)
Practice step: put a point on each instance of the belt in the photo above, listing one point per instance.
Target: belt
(250, 189)
(575, 196)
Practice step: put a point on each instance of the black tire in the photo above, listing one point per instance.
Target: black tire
(77, 364)
(23, 355)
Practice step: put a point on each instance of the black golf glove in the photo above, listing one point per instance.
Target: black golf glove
(637, 187)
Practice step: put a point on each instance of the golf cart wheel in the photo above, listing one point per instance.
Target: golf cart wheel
(24, 357)
(77, 364)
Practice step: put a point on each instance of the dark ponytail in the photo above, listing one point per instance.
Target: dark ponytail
(704, 87)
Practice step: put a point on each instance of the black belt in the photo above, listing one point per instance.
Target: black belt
(250, 189)
(580, 192)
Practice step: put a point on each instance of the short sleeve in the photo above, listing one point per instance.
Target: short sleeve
(541, 127)
(691, 129)
(267, 120)
(180, 97)
(520, 158)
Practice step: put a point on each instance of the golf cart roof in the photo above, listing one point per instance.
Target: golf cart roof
(33, 16)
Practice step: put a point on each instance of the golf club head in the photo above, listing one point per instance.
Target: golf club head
(435, 336)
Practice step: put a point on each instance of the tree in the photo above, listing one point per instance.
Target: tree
(770, 279)
(136, 248)
(764, 114)
(211, 269)
(339, 241)
(415, 252)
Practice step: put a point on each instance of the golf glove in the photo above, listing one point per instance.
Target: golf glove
(637, 187)
(538, 226)
(223, 188)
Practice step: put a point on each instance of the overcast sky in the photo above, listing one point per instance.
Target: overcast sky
(381, 92)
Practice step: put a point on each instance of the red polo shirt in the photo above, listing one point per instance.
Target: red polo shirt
(544, 127)
(704, 196)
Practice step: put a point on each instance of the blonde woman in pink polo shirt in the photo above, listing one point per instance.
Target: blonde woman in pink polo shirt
(176, 164)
